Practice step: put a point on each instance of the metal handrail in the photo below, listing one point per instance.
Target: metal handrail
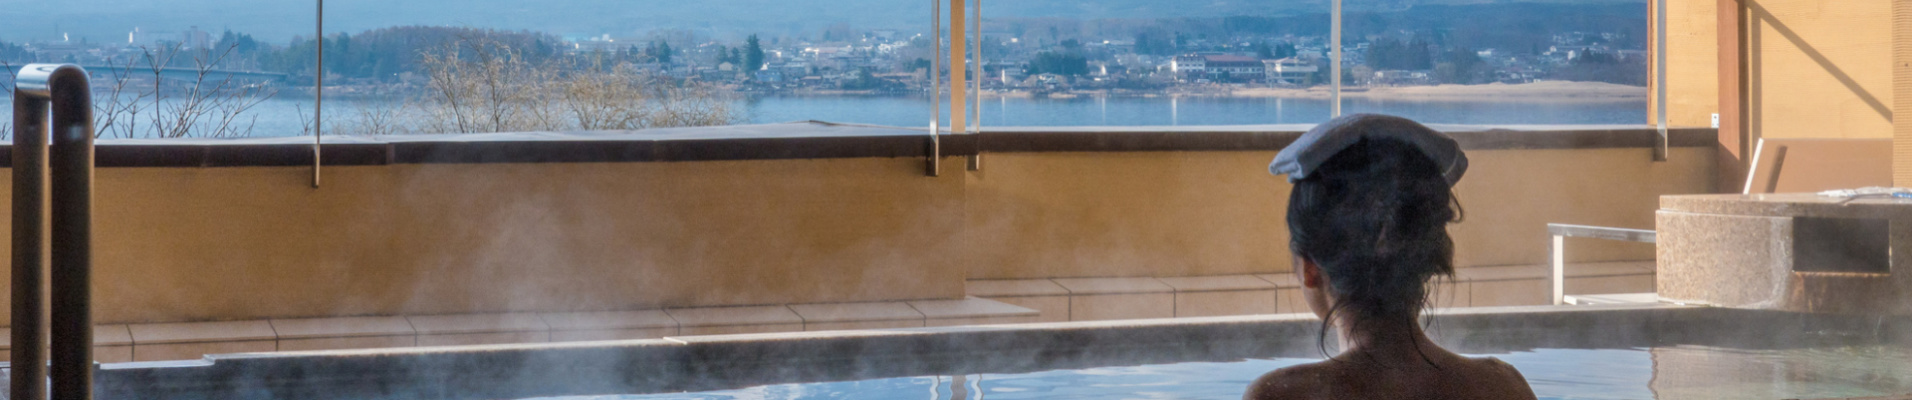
(1659, 73)
(318, 94)
(1557, 249)
(65, 167)
(976, 30)
(934, 164)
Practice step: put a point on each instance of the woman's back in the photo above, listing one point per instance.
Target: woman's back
(1443, 376)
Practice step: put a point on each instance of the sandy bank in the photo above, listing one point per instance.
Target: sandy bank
(1555, 91)
(1538, 91)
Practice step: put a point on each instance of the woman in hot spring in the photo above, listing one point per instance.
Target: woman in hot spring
(1368, 217)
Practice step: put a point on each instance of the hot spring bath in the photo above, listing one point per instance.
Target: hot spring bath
(1631, 351)
(1674, 372)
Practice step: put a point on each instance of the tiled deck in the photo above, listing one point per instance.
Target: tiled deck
(1090, 299)
(991, 302)
(184, 341)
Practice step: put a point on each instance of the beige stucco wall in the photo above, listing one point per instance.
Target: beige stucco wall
(1813, 69)
(1902, 92)
(1511, 195)
(1820, 69)
(1692, 62)
(192, 244)
(1816, 68)
(181, 244)
(1035, 215)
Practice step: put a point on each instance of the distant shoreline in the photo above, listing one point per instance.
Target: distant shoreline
(1556, 91)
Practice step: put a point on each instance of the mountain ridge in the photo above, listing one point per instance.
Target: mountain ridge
(111, 20)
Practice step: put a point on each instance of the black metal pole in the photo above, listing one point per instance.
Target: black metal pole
(29, 246)
(70, 162)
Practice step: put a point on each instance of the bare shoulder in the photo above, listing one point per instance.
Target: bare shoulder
(1296, 382)
(1461, 378)
(1512, 384)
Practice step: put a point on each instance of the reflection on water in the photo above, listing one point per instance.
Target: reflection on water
(1816, 373)
(1681, 372)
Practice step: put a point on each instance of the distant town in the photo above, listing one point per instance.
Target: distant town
(1020, 56)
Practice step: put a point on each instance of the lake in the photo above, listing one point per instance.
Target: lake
(1145, 111)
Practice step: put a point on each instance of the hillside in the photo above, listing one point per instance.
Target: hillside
(277, 21)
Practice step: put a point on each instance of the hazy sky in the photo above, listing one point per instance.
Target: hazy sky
(279, 20)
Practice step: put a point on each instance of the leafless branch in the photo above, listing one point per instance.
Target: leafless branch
(481, 85)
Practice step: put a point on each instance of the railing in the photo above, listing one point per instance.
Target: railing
(63, 90)
(1557, 249)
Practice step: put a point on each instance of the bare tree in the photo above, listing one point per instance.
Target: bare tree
(214, 106)
(117, 113)
(208, 103)
(614, 100)
(480, 85)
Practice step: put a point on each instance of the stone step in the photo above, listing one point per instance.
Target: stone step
(1106, 298)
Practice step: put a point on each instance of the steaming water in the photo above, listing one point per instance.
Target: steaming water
(1664, 373)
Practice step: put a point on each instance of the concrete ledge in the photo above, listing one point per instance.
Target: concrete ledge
(190, 341)
(111, 344)
(103, 335)
(847, 316)
(1202, 296)
(301, 328)
(807, 140)
(1604, 299)
(201, 332)
(344, 333)
(1216, 283)
(1088, 286)
(476, 323)
(1118, 298)
(1285, 280)
(466, 329)
(1574, 270)
(609, 325)
(973, 311)
(1089, 299)
(1050, 300)
(1014, 288)
(696, 363)
(731, 320)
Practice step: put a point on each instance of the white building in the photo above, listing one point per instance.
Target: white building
(1219, 67)
(1290, 71)
(1188, 65)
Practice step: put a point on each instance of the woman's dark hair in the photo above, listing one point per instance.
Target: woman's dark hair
(1374, 219)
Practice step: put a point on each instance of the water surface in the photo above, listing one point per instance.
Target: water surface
(1681, 372)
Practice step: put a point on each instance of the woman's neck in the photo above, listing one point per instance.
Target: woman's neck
(1383, 340)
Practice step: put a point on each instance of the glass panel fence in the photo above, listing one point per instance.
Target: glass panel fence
(1500, 63)
(1153, 63)
(171, 69)
(234, 69)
